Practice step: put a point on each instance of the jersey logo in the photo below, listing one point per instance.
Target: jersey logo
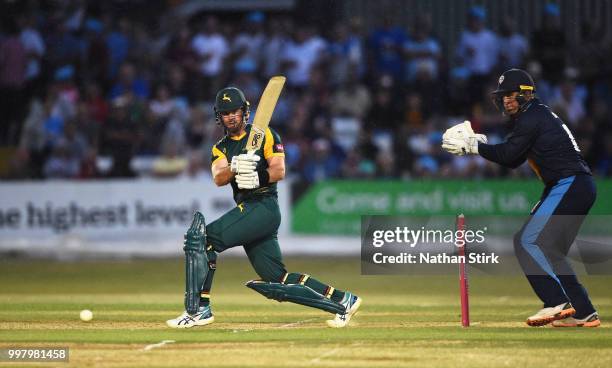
(279, 148)
(501, 79)
(241, 207)
(226, 98)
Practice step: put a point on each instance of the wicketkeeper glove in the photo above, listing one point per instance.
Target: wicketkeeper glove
(244, 164)
(461, 140)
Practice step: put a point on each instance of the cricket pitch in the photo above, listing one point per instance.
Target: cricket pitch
(405, 321)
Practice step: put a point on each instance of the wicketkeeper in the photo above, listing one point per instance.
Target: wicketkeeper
(539, 136)
(253, 224)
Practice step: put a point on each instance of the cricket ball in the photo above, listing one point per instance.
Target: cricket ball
(86, 315)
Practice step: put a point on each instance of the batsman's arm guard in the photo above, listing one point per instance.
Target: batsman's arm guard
(196, 262)
(295, 293)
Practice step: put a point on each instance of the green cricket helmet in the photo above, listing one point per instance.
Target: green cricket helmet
(513, 80)
(230, 99)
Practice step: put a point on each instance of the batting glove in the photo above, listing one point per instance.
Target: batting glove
(244, 164)
(248, 180)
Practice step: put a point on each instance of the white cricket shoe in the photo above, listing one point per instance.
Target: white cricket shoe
(591, 320)
(351, 303)
(203, 317)
(547, 315)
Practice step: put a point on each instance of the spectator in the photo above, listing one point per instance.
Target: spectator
(179, 86)
(33, 141)
(421, 51)
(357, 167)
(385, 165)
(34, 46)
(170, 163)
(568, 103)
(129, 81)
(414, 115)
(62, 164)
(118, 44)
(430, 90)
(590, 54)
(64, 47)
(74, 13)
(321, 165)
(345, 53)
(196, 132)
(66, 87)
(13, 101)
(352, 99)
(386, 112)
(548, 45)
(478, 50)
(248, 45)
(97, 54)
(513, 47)
(211, 48)
(75, 141)
(89, 167)
(121, 135)
(247, 81)
(58, 110)
(275, 45)
(97, 106)
(198, 168)
(302, 55)
(163, 104)
(182, 56)
(386, 44)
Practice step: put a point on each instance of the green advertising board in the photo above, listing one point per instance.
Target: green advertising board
(336, 207)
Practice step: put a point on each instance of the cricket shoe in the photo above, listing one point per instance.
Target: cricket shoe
(591, 320)
(547, 315)
(351, 303)
(203, 317)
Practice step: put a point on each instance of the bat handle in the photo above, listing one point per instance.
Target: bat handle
(251, 153)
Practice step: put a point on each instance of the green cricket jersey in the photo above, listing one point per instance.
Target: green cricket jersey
(229, 147)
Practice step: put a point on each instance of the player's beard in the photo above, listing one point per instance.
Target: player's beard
(235, 127)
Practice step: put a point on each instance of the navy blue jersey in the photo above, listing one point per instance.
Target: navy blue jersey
(539, 136)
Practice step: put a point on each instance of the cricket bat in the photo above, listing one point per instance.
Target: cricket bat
(265, 108)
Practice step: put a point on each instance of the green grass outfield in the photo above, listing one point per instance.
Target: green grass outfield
(405, 321)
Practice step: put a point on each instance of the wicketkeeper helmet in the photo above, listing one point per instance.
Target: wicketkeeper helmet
(513, 80)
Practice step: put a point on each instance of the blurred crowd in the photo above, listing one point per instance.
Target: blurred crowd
(87, 93)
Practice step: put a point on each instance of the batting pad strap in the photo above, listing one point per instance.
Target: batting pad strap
(329, 292)
(284, 278)
(303, 279)
(205, 295)
(299, 294)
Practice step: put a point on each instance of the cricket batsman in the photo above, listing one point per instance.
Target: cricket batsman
(253, 224)
(539, 136)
